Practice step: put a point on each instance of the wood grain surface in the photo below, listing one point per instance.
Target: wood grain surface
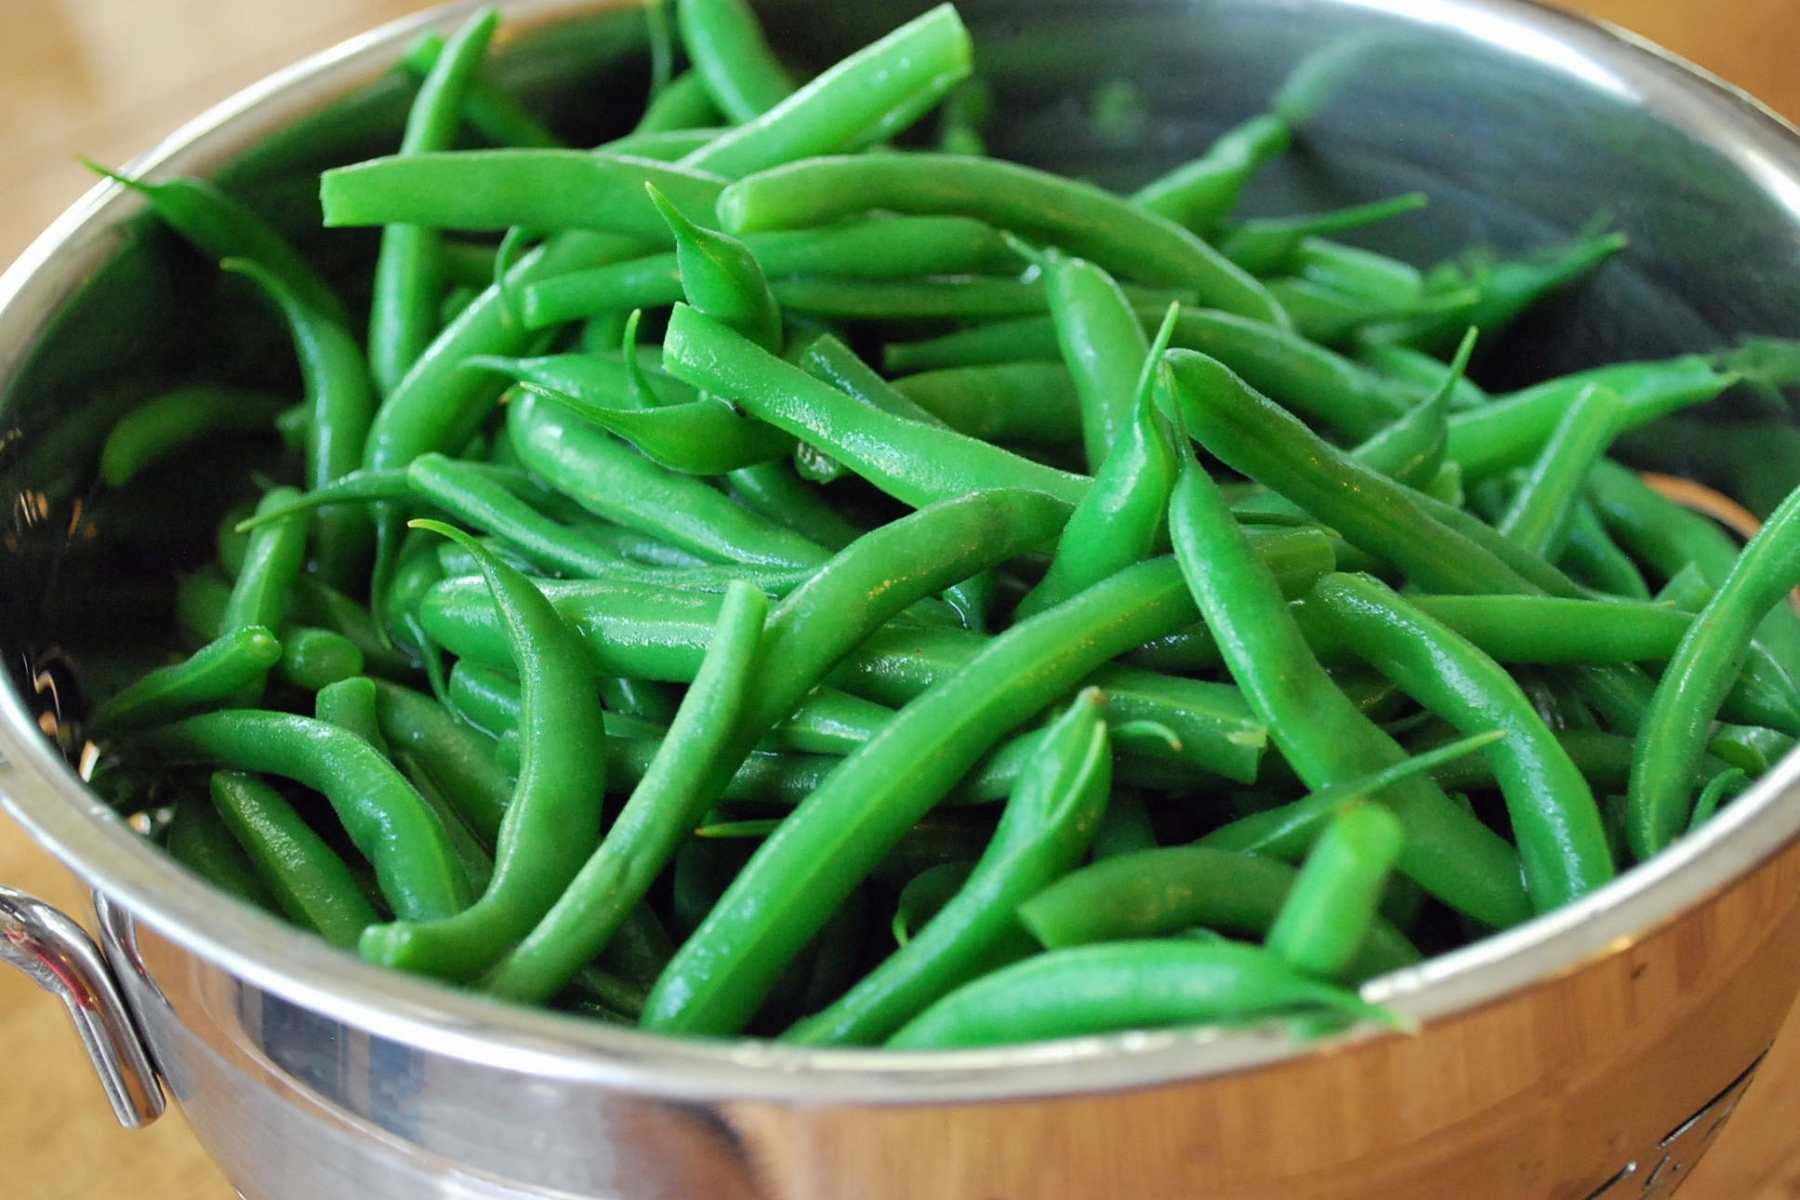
(108, 78)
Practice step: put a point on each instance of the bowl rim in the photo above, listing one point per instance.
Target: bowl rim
(42, 792)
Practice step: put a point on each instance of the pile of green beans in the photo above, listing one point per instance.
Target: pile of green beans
(715, 549)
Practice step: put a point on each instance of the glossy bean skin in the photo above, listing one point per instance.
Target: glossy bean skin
(1254, 435)
(1046, 827)
(1314, 381)
(458, 759)
(1130, 242)
(1122, 985)
(612, 481)
(496, 115)
(829, 843)
(1020, 404)
(553, 818)
(439, 403)
(1117, 522)
(1318, 730)
(917, 464)
(651, 826)
(873, 94)
(1673, 735)
(1102, 345)
(1160, 891)
(1331, 911)
(386, 819)
(1201, 193)
(877, 248)
(313, 658)
(342, 406)
(732, 57)
(1509, 431)
(1543, 508)
(1668, 538)
(409, 267)
(223, 668)
(1555, 818)
(198, 840)
(551, 190)
(313, 886)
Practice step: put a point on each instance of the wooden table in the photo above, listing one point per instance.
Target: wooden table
(108, 78)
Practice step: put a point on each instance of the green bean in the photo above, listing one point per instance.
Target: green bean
(218, 671)
(490, 111)
(1421, 370)
(1322, 313)
(1253, 435)
(309, 881)
(220, 226)
(867, 97)
(1124, 985)
(1674, 733)
(1411, 449)
(1318, 383)
(879, 248)
(655, 820)
(1100, 342)
(272, 562)
(547, 190)
(1330, 912)
(1079, 217)
(1316, 727)
(313, 658)
(827, 359)
(915, 463)
(1555, 819)
(1667, 538)
(438, 405)
(409, 267)
(1157, 892)
(1359, 272)
(173, 420)
(1509, 431)
(385, 818)
(458, 760)
(924, 895)
(199, 841)
(732, 58)
(1718, 789)
(612, 482)
(1202, 193)
(1271, 246)
(342, 406)
(1539, 516)
(1044, 830)
(554, 814)
(680, 106)
(838, 834)
(1593, 558)
(1026, 403)
(1507, 289)
(1117, 522)
(1288, 831)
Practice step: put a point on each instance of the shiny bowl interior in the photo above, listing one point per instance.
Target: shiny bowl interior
(1520, 123)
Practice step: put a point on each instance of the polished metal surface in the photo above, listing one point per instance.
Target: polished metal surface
(63, 960)
(1552, 1056)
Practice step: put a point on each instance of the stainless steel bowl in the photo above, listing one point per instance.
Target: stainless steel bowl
(1591, 1052)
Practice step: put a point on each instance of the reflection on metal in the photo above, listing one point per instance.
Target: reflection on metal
(1675, 1154)
(61, 958)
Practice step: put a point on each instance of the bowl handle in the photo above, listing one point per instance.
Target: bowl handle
(56, 952)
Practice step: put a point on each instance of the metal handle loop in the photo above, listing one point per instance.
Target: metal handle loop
(58, 953)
